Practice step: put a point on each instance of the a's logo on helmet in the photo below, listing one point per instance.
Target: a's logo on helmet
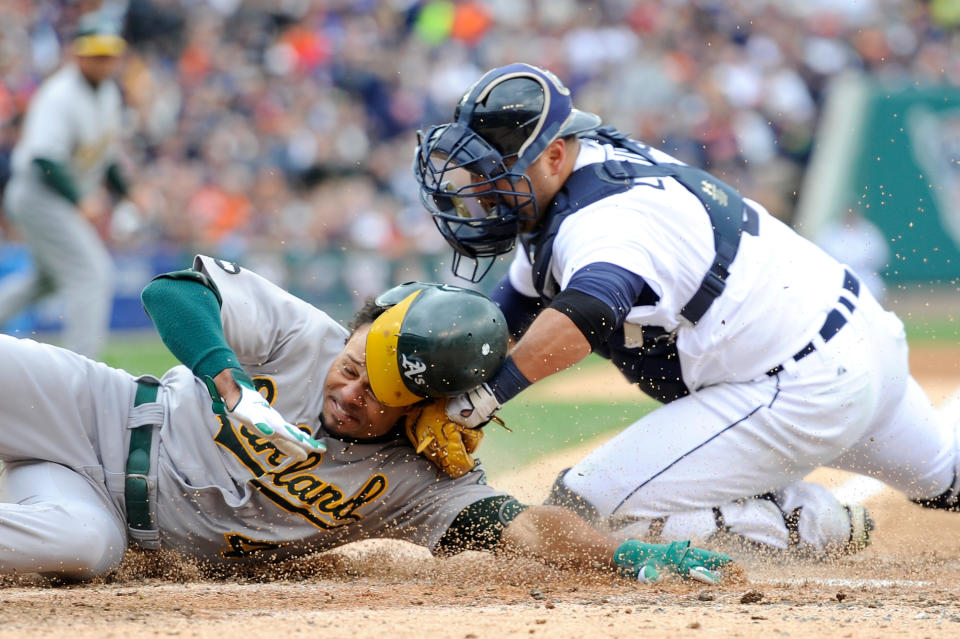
(413, 369)
(485, 349)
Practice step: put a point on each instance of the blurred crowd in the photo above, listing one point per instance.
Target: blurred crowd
(292, 123)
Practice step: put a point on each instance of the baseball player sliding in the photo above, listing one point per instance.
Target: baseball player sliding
(68, 147)
(269, 441)
(770, 357)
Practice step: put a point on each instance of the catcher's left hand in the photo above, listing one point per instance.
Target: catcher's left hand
(474, 408)
(444, 442)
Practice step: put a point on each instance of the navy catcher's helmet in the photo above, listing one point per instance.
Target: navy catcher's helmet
(471, 171)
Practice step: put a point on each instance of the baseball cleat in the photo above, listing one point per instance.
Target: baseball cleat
(861, 525)
(648, 575)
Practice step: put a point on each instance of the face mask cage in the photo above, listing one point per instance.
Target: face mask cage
(476, 201)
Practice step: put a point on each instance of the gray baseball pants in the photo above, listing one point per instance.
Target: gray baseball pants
(68, 258)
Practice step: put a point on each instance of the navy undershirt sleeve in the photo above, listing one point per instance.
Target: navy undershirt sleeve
(518, 309)
(617, 287)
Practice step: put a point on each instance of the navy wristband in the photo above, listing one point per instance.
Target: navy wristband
(508, 382)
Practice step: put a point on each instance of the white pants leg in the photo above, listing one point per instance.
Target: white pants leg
(906, 444)
(69, 255)
(697, 466)
(910, 448)
(54, 521)
(700, 461)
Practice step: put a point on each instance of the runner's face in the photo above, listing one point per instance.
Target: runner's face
(98, 68)
(350, 408)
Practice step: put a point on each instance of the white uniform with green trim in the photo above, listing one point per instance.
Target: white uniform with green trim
(219, 496)
(75, 124)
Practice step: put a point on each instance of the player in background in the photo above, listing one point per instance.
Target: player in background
(770, 357)
(269, 442)
(69, 146)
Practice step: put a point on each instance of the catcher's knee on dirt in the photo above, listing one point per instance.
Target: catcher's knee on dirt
(562, 495)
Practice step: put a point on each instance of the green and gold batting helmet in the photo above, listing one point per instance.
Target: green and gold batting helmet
(433, 341)
(98, 34)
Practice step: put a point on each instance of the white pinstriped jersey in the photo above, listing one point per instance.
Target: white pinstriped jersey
(780, 287)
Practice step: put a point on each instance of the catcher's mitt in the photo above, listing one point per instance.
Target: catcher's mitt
(446, 443)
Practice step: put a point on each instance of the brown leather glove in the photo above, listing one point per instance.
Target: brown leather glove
(446, 443)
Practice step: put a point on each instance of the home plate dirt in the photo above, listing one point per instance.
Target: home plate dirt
(905, 585)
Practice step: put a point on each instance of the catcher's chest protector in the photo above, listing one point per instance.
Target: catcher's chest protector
(655, 365)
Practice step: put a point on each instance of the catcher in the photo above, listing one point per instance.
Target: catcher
(281, 435)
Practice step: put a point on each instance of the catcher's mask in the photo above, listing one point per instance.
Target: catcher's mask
(433, 341)
(472, 171)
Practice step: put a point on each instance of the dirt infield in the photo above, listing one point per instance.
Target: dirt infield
(905, 584)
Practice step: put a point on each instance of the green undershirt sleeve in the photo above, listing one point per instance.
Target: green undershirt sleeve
(480, 525)
(58, 177)
(185, 308)
(117, 181)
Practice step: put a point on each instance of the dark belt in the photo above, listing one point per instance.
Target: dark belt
(834, 322)
(137, 489)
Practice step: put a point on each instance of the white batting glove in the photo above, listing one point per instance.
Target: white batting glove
(254, 411)
(473, 408)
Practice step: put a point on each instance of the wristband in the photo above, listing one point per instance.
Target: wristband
(508, 382)
(239, 376)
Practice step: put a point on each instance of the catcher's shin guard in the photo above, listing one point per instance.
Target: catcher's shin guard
(947, 500)
(861, 525)
(561, 495)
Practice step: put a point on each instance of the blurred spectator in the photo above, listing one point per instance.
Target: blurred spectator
(270, 124)
(855, 241)
(67, 151)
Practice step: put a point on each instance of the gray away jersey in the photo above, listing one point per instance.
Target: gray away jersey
(223, 498)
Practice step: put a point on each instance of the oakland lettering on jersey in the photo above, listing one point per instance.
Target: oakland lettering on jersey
(295, 488)
(325, 515)
(324, 497)
(240, 546)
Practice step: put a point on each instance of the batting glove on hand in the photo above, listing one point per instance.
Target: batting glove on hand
(473, 408)
(253, 411)
(646, 562)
